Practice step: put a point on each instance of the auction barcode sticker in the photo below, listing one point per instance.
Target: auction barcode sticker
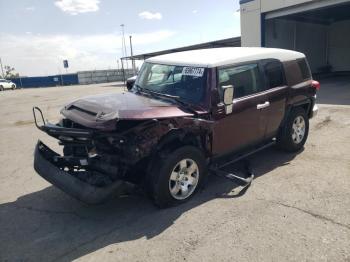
(193, 71)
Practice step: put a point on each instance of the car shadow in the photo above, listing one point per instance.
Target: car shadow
(48, 225)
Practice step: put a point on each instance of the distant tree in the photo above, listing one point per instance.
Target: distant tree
(10, 72)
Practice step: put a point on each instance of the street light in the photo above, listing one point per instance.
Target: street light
(2, 69)
(125, 54)
(132, 57)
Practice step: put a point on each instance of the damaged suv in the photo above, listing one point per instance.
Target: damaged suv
(187, 113)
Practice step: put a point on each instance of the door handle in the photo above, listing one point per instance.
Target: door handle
(264, 105)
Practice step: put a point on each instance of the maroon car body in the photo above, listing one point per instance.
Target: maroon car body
(118, 137)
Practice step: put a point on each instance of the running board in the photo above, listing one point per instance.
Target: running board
(240, 180)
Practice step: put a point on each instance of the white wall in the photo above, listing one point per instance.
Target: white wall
(251, 24)
(339, 46)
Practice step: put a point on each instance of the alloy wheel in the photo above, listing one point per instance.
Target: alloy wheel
(184, 179)
(299, 128)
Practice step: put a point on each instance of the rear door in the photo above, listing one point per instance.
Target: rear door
(246, 124)
(276, 94)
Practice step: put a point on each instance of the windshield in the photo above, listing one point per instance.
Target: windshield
(187, 83)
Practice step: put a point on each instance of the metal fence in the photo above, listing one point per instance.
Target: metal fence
(83, 77)
(103, 76)
(44, 81)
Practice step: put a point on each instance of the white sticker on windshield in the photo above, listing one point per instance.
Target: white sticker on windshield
(193, 71)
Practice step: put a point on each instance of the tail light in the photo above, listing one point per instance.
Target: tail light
(315, 84)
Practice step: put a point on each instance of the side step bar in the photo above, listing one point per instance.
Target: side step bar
(240, 180)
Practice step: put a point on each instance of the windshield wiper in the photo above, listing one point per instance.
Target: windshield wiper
(138, 88)
(177, 99)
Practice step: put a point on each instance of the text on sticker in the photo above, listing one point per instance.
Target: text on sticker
(193, 71)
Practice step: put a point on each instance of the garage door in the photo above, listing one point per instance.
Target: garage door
(319, 30)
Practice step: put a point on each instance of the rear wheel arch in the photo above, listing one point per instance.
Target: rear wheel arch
(305, 105)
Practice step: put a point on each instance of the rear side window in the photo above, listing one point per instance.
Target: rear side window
(245, 79)
(274, 74)
(304, 68)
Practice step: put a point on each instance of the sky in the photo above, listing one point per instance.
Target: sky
(37, 35)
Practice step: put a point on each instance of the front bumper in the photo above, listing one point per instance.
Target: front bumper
(314, 111)
(46, 168)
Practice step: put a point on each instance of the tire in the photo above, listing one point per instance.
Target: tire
(294, 133)
(13, 87)
(169, 175)
(129, 85)
(1, 88)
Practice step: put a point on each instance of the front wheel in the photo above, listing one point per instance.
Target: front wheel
(13, 87)
(177, 176)
(293, 135)
(1, 88)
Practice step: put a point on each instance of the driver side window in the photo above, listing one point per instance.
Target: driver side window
(158, 74)
(245, 80)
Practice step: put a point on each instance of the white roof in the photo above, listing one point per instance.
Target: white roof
(214, 57)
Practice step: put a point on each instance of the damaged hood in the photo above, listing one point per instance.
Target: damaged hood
(93, 110)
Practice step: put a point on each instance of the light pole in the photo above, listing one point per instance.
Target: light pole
(132, 56)
(2, 69)
(124, 45)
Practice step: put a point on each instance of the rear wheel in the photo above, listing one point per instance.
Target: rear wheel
(293, 135)
(1, 88)
(176, 177)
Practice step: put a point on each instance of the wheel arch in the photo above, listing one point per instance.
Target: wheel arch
(181, 137)
(305, 104)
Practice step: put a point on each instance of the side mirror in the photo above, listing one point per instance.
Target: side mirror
(228, 98)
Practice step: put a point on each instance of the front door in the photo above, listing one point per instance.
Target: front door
(246, 124)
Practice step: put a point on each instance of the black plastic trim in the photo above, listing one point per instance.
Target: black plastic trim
(70, 184)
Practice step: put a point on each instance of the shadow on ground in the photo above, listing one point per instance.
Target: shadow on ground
(334, 90)
(48, 225)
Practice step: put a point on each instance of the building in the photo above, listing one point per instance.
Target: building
(318, 28)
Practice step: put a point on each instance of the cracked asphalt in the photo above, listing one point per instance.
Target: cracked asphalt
(297, 209)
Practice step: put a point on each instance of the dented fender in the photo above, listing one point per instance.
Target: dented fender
(150, 138)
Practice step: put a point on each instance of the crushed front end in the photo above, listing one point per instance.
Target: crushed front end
(110, 141)
(93, 167)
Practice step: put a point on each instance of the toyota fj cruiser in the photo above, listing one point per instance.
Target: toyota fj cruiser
(187, 113)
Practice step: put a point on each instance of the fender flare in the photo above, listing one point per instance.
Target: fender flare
(305, 102)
